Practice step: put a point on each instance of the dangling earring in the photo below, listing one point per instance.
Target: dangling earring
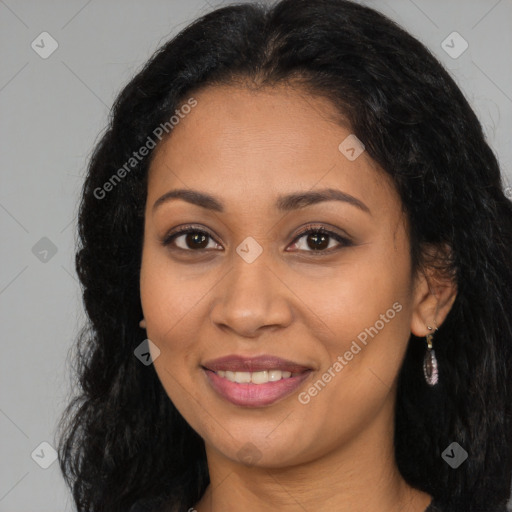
(430, 369)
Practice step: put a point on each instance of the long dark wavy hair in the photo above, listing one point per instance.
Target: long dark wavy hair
(121, 440)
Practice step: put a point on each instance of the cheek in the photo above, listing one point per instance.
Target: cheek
(175, 304)
(169, 307)
(367, 311)
(170, 294)
(365, 287)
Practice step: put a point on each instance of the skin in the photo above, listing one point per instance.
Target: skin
(246, 148)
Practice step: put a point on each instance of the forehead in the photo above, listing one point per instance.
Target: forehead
(251, 142)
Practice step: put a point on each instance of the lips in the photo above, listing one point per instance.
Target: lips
(235, 363)
(259, 381)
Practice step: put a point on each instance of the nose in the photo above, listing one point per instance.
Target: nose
(252, 298)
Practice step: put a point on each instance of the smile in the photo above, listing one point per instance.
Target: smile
(255, 389)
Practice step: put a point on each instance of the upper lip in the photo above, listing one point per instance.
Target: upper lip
(236, 363)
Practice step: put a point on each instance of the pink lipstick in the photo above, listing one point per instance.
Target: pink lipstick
(254, 382)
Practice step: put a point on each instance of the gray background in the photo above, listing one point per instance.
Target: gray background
(52, 112)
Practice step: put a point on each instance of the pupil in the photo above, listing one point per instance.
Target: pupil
(320, 241)
(195, 239)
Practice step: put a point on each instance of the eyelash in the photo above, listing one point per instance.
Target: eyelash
(309, 229)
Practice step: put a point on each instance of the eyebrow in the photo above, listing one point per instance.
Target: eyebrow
(284, 203)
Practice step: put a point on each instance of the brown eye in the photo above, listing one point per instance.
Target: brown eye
(317, 241)
(320, 240)
(190, 239)
(196, 240)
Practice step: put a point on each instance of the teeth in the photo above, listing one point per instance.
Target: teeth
(242, 377)
(255, 377)
(259, 377)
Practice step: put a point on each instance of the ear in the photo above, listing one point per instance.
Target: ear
(434, 292)
(142, 323)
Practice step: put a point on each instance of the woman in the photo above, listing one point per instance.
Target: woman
(295, 217)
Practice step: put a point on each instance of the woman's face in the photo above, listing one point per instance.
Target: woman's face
(254, 285)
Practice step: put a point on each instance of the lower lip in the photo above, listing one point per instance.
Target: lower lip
(255, 395)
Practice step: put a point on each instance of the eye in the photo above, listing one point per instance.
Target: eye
(318, 239)
(192, 239)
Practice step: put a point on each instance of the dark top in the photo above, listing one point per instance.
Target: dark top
(433, 507)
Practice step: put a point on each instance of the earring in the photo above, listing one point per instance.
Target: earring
(430, 369)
